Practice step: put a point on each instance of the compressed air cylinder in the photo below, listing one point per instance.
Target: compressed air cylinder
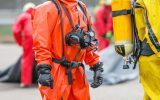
(122, 26)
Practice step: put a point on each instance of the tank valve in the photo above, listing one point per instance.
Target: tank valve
(126, 61)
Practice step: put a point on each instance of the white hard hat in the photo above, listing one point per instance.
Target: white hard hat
(28, 5)
(106, 2)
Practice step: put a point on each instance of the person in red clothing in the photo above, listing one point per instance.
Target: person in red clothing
(22, 31)
(103, 23)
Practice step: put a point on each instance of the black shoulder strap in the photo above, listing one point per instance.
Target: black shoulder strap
(68, 16)
(120, 12)
(57, 6)
(151, 33)
(61, 24)
(84, 12)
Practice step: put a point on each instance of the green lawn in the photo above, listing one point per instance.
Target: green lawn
(5, 30)
(6, 33)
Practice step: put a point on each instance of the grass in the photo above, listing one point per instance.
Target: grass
(6, 33)
(5, 30)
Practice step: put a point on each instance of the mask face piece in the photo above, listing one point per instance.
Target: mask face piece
(82, 38)
(72, 38)
(79, 36)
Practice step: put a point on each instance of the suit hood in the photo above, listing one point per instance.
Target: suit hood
(70, 3)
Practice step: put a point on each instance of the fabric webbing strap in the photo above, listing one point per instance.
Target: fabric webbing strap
(120, 12)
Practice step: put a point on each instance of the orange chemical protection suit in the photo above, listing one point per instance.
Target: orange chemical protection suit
(47, 41)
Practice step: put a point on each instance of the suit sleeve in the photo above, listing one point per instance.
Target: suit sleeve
(43, 21)
(91, 57)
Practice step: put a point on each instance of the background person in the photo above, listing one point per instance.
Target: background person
(22, 31)
(103, 23)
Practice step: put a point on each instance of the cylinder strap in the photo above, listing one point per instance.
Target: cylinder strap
(120, 12)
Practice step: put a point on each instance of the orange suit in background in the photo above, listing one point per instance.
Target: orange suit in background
(22, 31)
(47, 43)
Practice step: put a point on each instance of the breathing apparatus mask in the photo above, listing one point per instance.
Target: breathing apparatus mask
(83, 38)
(78, 36)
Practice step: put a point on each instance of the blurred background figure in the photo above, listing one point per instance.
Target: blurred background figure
(103, 23)
(22, 31)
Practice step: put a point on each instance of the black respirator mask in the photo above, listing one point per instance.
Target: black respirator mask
(83, 38)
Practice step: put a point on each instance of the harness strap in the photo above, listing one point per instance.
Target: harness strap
(151, 33)
(146, 50)
(61, 24)
(137, 43)
(63, 61)
(56, 4)
(120, 12)
(69, 17)
(69, 66)
(84, 12)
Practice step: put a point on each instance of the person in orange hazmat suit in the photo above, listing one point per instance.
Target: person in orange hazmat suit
(22, 31)
(62, 40)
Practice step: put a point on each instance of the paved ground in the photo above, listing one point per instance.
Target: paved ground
(10, 52)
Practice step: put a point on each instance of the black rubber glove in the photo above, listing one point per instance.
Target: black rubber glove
(45, 77)
(98, 78)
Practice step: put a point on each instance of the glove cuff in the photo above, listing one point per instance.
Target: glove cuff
(43, 68)
(97, 66)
